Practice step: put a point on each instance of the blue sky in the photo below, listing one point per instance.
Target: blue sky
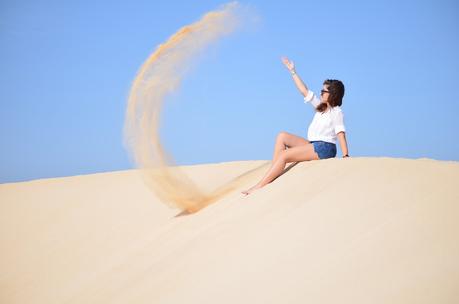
(66, 70)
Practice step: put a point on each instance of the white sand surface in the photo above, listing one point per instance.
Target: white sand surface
(356, 230)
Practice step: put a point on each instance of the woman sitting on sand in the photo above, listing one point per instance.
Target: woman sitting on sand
(326, 126)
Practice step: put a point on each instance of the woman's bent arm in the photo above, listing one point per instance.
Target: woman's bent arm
(343, 143)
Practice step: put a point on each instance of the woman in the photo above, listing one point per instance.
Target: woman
(326, 126)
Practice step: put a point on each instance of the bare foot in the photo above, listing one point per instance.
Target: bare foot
(250, 190)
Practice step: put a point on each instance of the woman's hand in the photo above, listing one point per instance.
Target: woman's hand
(289, 64)
(298, 82)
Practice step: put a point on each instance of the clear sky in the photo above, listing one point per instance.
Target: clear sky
(66, 70)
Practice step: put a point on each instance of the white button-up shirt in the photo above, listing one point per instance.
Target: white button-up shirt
(324, 126)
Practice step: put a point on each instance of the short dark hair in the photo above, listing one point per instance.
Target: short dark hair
(336, 89)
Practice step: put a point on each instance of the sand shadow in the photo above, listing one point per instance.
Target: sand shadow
(287, 169)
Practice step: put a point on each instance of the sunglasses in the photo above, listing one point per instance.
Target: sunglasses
(323, 91)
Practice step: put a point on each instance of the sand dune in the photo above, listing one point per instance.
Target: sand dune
(357, 230)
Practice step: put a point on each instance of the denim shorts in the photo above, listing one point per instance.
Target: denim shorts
(324, 149)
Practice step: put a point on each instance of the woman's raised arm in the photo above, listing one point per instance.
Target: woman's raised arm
(298, 82)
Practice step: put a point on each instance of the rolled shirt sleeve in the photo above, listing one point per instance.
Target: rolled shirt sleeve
(338, 122)
(312, 99)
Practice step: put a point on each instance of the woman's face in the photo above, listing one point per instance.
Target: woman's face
(324, 93)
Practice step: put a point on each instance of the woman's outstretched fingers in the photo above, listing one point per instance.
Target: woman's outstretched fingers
(289, 64)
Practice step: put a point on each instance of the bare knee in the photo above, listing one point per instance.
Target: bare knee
(281, 136)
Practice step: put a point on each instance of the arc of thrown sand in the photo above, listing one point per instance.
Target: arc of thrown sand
(161, 74)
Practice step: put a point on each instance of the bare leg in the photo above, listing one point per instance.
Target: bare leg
(299, 153)
(287, 140)
(279, 146)
(273, 172)
(283, 140)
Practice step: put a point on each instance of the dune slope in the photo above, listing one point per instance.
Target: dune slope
(357, 230)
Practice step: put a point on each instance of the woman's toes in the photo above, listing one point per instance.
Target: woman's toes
(248, 191)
